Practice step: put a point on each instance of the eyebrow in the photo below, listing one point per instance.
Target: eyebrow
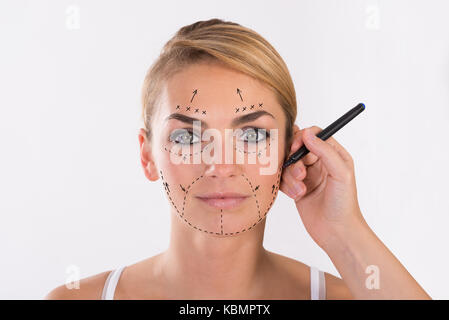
(235, 122)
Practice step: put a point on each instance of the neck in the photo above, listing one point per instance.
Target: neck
(205, 266)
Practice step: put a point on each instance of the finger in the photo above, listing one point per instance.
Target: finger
(297, 143)
(291, 180)
(344, 154)
(331, 159)
(296, 170)
(293, 188)
(285, 188)
(311, 158)
(292, 176)
(307, 182)
(315, 176)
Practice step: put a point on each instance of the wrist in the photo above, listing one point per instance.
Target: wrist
(344, 237)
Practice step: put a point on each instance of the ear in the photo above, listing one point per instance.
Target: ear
(296, 141)
(293, 142)
(295, 129)
(146, 157)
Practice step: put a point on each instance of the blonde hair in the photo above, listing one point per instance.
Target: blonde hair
(225, 42)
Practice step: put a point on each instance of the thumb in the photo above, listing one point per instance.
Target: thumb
(326, 153)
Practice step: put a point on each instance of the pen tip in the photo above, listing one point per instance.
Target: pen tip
(363, 105)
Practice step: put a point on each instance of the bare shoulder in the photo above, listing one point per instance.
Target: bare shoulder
(336, 288)
(90, 288)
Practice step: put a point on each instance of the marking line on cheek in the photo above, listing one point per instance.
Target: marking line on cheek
(168, 193)
(255, 151)
(254, 193)
(181, 215)
(182, 154)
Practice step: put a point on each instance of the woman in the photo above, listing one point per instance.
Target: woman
(225, 76)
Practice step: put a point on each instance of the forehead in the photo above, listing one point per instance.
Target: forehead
(218, 88)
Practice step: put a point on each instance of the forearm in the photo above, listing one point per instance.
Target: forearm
(356, 248)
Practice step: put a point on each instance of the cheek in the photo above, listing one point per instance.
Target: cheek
(266, 182)
(266, 186)
(179, 175)
(283, 148)
(183, 181)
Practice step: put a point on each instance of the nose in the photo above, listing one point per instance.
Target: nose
(222, 170)
(218, 165)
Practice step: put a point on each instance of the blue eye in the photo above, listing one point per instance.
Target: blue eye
(183, 136)
(254, 135)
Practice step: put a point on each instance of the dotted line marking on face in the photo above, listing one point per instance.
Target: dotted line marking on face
(221, 220)
(181, 214)
(196, 110)
(192, 110)
(204, 112)
(244, 108)
(259, 152)
(254, 193)
(185, 155)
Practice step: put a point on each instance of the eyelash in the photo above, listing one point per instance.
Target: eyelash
(190, 131)
(257, 130)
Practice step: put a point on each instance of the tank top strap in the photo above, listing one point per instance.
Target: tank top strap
(111, 284)
(317, 284)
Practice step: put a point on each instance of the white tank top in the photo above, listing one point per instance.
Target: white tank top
(317, 284)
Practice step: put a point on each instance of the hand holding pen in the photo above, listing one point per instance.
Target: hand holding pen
(321, 180)
(319, 176)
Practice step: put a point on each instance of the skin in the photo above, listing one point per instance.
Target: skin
(235, 177)
(322, 186)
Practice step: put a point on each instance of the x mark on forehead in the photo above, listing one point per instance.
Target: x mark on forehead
(235, 122)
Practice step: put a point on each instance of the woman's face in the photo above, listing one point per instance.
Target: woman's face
(213, 169)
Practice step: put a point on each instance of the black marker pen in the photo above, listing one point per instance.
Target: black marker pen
(326, 133)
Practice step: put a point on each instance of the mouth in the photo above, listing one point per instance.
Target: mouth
(223, 200)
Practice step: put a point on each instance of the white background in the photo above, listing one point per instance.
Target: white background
(73, 193)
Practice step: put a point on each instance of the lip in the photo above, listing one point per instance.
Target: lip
(223, 200)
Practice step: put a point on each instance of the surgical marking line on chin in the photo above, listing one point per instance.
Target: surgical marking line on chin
(230, 233)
